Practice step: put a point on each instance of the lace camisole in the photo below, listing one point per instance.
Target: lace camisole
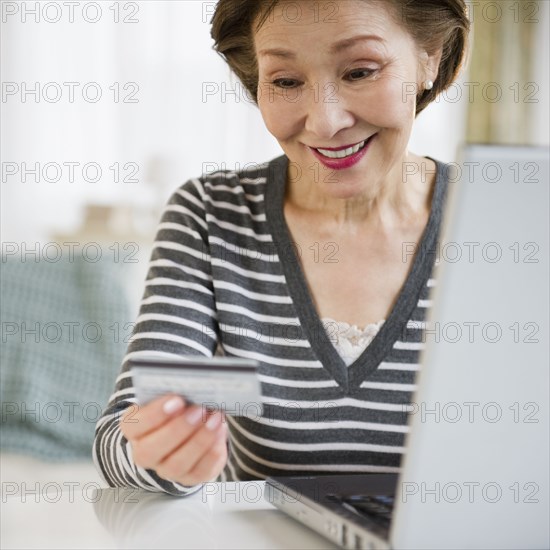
(349, 340)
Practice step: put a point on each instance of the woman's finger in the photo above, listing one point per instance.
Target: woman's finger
(138, 421)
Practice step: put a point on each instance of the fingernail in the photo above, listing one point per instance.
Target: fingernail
(214, 421)
(193, 416)
(172, 405)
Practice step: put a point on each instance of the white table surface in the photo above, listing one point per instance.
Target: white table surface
(221, 515)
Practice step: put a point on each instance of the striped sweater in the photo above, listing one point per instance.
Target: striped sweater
(224, 278)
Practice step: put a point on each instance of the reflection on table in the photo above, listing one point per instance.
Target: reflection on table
(220, 515)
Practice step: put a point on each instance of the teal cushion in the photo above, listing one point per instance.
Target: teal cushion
(62, 345)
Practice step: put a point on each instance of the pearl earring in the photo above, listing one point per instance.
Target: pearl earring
(428, 85)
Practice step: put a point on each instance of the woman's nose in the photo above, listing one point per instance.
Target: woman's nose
(326, 112)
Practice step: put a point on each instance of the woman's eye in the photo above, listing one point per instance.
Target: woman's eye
(359, 74)
(284, 83)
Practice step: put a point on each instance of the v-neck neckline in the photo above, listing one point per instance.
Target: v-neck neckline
(349, 378)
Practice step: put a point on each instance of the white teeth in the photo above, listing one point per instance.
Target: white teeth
(343, 153)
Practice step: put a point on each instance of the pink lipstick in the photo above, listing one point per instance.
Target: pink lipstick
(347, 161)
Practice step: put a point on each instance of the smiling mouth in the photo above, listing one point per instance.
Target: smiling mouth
(342, 153)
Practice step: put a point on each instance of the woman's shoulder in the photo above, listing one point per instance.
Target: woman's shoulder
(443, 171)
(241, 183)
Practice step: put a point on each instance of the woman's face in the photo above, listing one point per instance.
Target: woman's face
(334, 74)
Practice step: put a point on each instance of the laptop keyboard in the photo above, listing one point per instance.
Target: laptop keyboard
(376, 508)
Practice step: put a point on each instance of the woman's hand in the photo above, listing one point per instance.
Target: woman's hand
(182, 443)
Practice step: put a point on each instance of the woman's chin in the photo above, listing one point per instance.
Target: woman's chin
(345, 189)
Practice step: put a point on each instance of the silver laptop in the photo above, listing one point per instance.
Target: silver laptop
(476, 469)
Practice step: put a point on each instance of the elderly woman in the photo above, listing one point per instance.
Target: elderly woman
(318, 263)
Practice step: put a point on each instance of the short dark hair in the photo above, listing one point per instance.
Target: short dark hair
(433, 24)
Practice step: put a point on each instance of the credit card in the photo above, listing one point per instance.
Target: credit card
(218, 383)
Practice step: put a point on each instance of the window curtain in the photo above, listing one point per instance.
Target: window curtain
(505, 87)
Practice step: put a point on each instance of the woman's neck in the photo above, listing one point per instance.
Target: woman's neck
(394, 203)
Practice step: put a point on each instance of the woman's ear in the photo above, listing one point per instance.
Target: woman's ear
(430, 64)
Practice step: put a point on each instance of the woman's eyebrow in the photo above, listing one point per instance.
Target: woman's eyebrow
(337, 47)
